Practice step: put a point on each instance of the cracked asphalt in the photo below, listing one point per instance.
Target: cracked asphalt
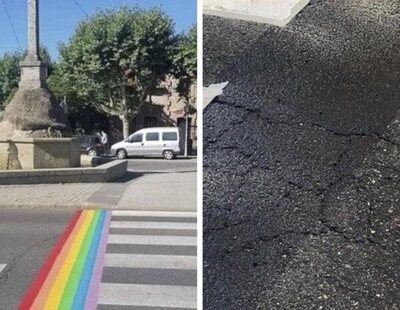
(26, 238)
(301, 160)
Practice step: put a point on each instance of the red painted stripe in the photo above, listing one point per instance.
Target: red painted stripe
(37, 283)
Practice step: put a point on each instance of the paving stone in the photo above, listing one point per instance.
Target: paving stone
(47, 195)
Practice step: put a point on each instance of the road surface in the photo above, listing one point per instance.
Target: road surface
(147, 253)
(301, 182)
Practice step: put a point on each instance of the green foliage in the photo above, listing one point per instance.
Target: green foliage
(185, 60)
(115, 58)
(10, 73)
(45, 57)
(9, 76)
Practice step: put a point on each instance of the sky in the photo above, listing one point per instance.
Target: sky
(58, 18)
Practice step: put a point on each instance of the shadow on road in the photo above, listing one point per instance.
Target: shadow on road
(128, 177)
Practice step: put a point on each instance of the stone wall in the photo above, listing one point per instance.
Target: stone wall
(39, 153)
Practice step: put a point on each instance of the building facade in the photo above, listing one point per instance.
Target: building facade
(165, 107)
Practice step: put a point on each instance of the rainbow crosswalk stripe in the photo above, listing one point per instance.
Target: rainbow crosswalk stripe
(71, 274)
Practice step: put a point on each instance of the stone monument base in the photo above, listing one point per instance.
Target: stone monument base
(34, 112)
(39, 153)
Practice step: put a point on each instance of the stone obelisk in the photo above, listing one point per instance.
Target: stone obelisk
(33, 70)
(34, 111)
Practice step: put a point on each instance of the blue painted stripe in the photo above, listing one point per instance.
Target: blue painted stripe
(81, 292)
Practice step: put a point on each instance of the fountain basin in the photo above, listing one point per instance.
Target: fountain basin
(104, 173)
(39, 153)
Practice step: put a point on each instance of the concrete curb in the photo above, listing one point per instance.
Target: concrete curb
(104, 173)
(84, 205)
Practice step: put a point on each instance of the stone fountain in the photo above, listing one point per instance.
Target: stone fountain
(34, 131)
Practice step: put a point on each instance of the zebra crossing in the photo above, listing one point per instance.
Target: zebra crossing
(150, 261)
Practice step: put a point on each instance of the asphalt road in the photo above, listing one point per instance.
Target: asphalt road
(27, 235)
(301, 171)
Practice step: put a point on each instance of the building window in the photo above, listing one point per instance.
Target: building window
(150, 121)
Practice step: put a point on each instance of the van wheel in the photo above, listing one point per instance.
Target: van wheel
(121, 154)
(168, 154)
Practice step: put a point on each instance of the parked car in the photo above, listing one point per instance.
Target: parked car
(162, 141)
(90, 145)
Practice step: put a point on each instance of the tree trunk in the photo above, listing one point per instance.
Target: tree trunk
(125, 117)
(125, 125)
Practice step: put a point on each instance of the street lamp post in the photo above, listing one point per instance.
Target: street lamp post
(186, 110)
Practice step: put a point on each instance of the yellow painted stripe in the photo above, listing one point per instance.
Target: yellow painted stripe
(57, 290)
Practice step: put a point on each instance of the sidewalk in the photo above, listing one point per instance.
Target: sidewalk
(168, 190)
(156, 191)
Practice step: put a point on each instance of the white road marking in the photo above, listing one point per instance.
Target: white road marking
(148, 295)
(211, 92)
(152, 240)
(2, 266)
(153, 213)
(278, 13)
(151, 261)
(153, 225)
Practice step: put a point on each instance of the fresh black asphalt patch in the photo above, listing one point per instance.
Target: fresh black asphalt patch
(302, 160)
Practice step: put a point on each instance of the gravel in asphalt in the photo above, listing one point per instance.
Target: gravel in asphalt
(300, 168)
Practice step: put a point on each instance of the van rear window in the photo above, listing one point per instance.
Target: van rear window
(170, 136)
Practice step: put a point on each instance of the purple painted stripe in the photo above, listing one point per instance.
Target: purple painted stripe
(93, 293)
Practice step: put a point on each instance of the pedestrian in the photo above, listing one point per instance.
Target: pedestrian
(104, 142)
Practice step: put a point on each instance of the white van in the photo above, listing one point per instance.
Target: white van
(162, 141)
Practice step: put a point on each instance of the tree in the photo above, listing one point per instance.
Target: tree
(81, 113)
(116, 58)
(9, 76)
(10, 73)
(185, 70)
(185, 61)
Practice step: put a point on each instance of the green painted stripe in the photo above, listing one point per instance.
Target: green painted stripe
(74, 278)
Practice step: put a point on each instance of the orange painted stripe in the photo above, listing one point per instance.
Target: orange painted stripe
(43, 295)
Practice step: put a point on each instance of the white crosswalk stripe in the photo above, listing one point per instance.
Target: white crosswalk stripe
(153, 225)
(148, 295)
(154, 214)
(2, 266)
(152, 240)
(150, 260)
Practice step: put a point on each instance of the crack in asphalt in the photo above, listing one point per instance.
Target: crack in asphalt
(292, 196)
(14, 262)
(320, 192)
(261, 115)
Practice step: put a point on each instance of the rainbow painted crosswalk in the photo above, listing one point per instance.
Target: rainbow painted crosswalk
(70, 276)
